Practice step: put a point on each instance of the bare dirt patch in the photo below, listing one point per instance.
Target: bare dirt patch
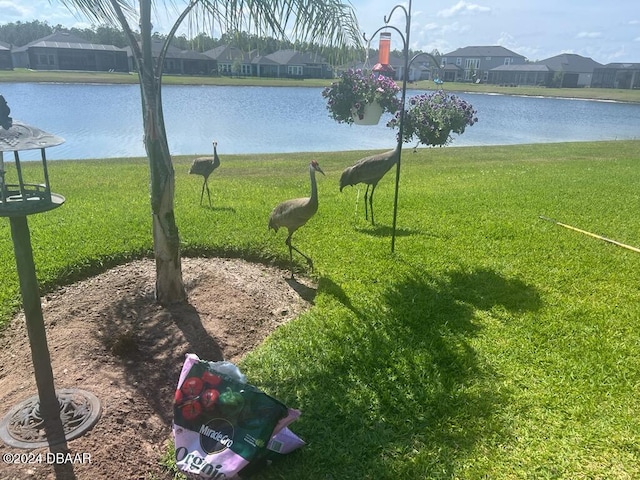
(106, 335)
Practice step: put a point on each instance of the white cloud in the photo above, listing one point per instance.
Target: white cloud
(508, 41)
(462, 8)
(13, 9)
(430, 27)
(589, 35)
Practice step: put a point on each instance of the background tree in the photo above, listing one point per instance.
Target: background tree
(325, 22)
(21, 33)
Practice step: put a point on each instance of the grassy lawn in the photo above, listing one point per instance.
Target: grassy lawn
(491, 344)
(24, 75)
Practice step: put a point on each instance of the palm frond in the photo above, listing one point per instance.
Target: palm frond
(323, 22)
(101, 11)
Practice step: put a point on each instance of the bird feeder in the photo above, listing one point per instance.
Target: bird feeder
(23, 196)
(383, 67)
(51, 417)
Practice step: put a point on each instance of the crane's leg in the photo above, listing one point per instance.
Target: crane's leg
(288, 243)
(373, 188)
(366, 195)
(202, 191)
(208, 193)
(291, 248)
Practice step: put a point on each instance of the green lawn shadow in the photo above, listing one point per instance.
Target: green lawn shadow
(405, 375)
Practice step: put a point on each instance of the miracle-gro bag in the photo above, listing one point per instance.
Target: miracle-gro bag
(222, 424)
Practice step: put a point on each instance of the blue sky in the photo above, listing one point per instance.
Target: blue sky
(538, 29)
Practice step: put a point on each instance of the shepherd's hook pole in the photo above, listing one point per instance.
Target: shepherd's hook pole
(405, 50)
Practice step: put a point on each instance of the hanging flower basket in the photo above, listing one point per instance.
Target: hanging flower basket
(432, 117)
(370, 115)
(348, 96)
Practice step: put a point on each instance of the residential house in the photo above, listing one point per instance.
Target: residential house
(292, 64)
(472, 64)
(65, 51)
(617, 75)
(420, 69)
(571, 70)
(178, 62)
(6, 63)
(231, 60)
(515, 75)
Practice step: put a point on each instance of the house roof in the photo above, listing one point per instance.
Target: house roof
(66, 40)
(483, 51)
(227, 53)
(193, 55)
(262, 60)
(5, 46)
(622, 66)
(293, 57)
(570, 62)
(172, 52)
(527, 67)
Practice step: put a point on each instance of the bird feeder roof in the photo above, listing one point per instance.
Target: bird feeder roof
(25, 137)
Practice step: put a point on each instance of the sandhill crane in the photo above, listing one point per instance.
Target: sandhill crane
(294, 213)
(205, 166)
(370, 170)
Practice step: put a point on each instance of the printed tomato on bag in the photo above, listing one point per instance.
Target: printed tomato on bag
(222, 424)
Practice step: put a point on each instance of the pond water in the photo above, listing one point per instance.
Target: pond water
(104, 121)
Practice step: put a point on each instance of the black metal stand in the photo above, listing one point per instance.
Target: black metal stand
(50, 418)
(405, 50)
(35, 323)
(405, 40)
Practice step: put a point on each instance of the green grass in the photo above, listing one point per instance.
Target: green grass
(24, 75)
(492, 344)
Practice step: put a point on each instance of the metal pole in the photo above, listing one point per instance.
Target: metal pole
(49, 405)
(2, 183)
(400, 128)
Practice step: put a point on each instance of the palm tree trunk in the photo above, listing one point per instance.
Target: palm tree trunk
(166, 241)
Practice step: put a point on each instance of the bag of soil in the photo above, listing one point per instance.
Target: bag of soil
(223, 424)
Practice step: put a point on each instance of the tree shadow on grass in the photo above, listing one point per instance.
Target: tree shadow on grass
(402, 387)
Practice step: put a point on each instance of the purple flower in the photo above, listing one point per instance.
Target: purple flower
(432, 117)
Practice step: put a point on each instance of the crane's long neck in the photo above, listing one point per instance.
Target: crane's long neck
(314, 188)
(216, 160)
(396, 152)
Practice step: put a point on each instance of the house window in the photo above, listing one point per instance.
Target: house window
(44, 59)
(458, 61)
(295, 70)
(508, 60)
(472, 64)
(245, 69)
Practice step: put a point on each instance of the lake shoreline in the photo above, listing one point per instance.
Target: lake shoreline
(102, 120)
(80, 77)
